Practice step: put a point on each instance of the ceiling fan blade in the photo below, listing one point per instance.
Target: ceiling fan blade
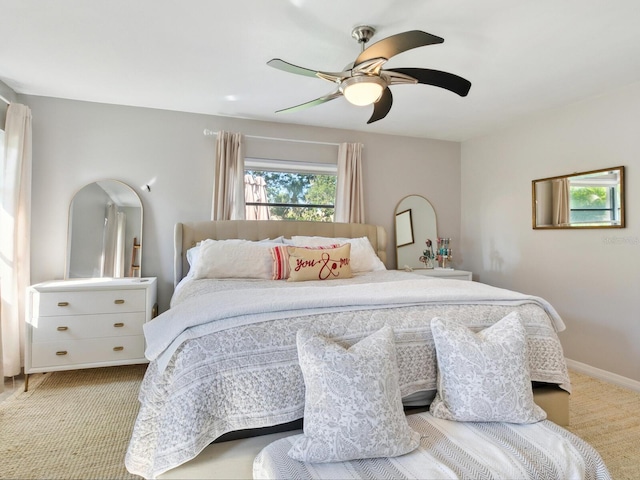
(395, 44)
(291, 68)
(313, 103)
(445, 80)
(336, 77)
(382, 106)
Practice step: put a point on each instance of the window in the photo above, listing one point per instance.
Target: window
(594, 199)
(284, 190)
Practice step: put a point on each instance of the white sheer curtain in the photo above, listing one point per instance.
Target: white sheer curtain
(560, 201)
(349, 193)
(15, 226)
(228, 186)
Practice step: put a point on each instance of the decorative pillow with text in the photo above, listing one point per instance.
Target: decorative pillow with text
(319, 264)
(363, 256)
(280, 256)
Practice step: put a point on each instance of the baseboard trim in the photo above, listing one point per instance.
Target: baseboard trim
(603, 375)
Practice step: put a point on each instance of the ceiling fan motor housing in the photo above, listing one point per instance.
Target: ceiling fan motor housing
(363, 33)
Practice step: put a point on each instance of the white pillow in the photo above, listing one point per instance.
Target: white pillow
(352, 405)
(192, 254)
(363, 256)
(276, 241)
(484, 376)
(233, 259)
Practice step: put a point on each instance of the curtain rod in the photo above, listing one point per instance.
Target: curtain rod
(209, 133)
(5, 100)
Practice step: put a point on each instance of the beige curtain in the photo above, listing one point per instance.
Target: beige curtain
(15, 226)
(349, 194)
(228, 187)
(560, 201)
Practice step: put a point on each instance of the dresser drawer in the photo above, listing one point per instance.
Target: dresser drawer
(89, 302)
(92, 350)
(75, 327)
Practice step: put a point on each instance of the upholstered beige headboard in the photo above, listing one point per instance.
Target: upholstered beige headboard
(187, 234)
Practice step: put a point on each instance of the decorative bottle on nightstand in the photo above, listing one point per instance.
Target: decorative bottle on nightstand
(444, 252)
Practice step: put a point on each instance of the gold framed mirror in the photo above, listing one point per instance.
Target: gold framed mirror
(593, 199)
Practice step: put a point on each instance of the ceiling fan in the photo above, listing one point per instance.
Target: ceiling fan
(365, 82)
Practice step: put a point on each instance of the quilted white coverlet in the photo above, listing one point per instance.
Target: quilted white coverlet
(224, 357)
(540, 451)
(232, 308)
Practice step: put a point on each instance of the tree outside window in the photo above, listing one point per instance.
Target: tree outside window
(297, 195)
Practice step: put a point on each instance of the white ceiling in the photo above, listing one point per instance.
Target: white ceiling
(208, 56)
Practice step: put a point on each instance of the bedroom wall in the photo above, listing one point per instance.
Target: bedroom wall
(590, 276)
(75, 143)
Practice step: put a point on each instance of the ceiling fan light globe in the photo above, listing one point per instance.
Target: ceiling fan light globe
(363, 90)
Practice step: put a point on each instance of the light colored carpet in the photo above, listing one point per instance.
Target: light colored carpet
(607, 417)
(76, 425)
(70, 425)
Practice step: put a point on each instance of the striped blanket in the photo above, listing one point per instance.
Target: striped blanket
(449, 449)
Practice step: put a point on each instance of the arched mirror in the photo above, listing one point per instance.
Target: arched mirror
(415, 224)
(105, 232)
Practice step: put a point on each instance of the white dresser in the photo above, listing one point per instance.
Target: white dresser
(87, 323)
(444, 273)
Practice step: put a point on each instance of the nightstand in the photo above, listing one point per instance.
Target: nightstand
(444, 273)
(86, 323)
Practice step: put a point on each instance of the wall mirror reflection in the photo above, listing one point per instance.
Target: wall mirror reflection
(105, 232)
(593, 199)
(423, 223)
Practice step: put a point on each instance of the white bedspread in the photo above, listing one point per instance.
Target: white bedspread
(539, 451)
(227, 360)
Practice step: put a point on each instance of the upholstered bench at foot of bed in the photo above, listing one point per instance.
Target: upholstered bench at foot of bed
(234, 459)
(450, 449)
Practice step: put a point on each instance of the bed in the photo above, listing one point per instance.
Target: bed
(223, 358)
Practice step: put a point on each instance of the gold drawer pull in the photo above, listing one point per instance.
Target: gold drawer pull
(119, 324)
(119, 301)
(62, 329)
(63, 304)
(61, 353)
(118, 349)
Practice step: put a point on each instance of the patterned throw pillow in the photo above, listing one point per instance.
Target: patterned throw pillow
(484, 376)
(319, 264)
(353, 407)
